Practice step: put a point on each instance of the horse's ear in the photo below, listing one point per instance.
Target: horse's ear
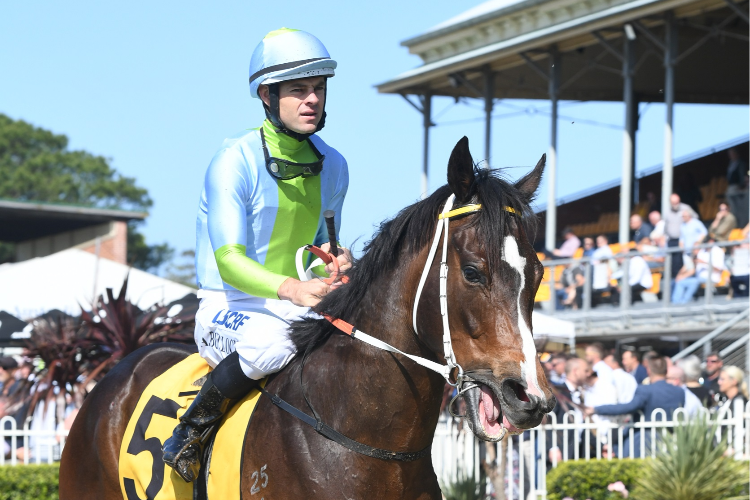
(530, 182)
(461, 171)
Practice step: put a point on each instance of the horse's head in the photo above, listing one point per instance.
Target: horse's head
(494, 274)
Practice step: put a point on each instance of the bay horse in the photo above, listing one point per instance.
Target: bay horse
(372, 396)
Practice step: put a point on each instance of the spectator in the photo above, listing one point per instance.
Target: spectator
(577, 372)
(588, 246)
(639, 276)
(676, 377)
(655, 250)
(569, 246)
(595, 356)
(732, 385)
(692, 231)
(632, 364)
(654, 218)
(8, 367)
(602, 260)
(654, 204)
(557, 372)
(714, 364)
(571, 287)
(672, 224)
(624, 382)
(685, 288)
(739, 265)
(639, 229)
(691, 366)
(736, 193)
(723, 224)
(657, 395)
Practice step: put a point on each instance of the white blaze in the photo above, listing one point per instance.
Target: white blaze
(512, 256)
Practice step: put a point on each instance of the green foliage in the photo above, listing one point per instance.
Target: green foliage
(183, 271)
(29, 482)
(146, 257)
(463, 488)
(580, 479)
(691, 466)
(36, 165)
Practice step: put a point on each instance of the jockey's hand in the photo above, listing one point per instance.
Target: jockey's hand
(303, 293)
(344, 258)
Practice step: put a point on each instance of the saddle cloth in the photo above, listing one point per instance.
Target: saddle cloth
(143, 474)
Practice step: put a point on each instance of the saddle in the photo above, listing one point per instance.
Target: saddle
(144, 476)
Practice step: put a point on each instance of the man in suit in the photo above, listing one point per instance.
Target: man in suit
(568, 395)
(657, 395)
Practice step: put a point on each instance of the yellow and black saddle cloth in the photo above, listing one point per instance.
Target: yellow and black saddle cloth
(143, 475)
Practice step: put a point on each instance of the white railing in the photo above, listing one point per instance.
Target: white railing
(40, 446)
(457, 453)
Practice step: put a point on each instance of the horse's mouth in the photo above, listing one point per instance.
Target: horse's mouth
(485, 415)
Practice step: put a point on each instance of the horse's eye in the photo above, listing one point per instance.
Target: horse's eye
(472, 275)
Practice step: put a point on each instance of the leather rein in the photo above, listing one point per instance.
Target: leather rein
(349, 329)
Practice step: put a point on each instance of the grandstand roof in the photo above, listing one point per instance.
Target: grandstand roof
(23, 220)
(513, 38)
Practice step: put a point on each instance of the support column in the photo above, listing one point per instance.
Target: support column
(626, 187)
(551, 168)
(489, 102)
(670, 53)
(427, 123)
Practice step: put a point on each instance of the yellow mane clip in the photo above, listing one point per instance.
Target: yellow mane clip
(467, 209)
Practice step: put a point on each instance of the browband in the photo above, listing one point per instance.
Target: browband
(468, 209)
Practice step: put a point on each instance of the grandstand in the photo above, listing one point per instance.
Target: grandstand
(596, 210)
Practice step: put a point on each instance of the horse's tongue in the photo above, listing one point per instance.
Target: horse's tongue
(491, 404)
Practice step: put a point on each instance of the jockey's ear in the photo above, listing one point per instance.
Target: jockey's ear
(528, 184)
(461, 172)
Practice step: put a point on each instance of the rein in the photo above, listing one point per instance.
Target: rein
(450, 357)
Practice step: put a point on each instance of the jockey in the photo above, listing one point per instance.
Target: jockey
(263, 197)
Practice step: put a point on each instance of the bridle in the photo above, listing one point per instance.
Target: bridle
(445, 370)
(449, 355)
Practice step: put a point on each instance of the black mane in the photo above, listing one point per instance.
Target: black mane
(412, 229)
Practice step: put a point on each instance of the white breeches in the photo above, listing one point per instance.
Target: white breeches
(256, 328)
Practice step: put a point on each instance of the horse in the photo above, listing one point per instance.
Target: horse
(377, 398)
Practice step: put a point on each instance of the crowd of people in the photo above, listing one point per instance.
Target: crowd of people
(16, 380)
(691, 267)
(609, 387)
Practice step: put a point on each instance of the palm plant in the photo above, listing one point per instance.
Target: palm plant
(66, 353)
(119, 327)
(465, 487)
(692, 466)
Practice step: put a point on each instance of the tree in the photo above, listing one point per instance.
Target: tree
(183, 271)
(36, 165)
(143, 256)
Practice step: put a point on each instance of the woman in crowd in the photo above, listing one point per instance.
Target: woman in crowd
(732, 385)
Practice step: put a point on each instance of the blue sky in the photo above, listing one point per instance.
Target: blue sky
(156, 86)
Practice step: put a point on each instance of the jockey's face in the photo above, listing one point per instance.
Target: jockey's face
(301, 103)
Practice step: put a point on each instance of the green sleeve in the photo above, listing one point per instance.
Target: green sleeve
(245, 274)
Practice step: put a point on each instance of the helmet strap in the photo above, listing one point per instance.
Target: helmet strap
(273, 114)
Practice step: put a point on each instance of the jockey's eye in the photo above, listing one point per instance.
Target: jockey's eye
(472, 275)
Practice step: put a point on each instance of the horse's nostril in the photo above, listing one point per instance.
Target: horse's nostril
(518, 391)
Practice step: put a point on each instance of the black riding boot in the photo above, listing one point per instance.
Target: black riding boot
(224, 386)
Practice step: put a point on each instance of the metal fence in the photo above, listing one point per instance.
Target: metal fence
(456, 453)
(712, 307)
(37, 446)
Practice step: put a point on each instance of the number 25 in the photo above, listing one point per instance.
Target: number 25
(262, 476)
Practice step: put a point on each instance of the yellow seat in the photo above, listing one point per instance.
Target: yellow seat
(736, 235)
(542, 294)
